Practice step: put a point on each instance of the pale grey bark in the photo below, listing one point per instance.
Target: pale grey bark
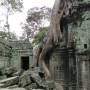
(54, 35)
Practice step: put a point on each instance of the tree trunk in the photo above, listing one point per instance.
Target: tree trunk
(54, 35)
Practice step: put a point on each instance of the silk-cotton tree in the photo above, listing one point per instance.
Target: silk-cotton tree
(35, 20)
(60, 10)
(10, 6)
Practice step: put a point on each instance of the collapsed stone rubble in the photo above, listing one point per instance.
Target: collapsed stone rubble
(33, 79)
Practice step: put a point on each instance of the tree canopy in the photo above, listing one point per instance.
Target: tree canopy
(35, 20)
(54, 36)
(10, 6)
(15, 5)
(4, 35)
(39, 37)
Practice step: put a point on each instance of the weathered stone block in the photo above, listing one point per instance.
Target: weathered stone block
(9, 81)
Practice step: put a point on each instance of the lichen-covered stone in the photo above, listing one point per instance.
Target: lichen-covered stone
(9, 81)
(12, 89)
(24, 79)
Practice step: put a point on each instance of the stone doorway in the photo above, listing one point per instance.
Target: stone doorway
(25, 62)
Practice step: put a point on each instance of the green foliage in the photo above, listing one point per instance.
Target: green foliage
(5, 35)
(15, 5)
(13, 36)
(35, 20)
(37, 14)
(40, 35)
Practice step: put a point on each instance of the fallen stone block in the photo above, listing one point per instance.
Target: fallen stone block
(50, 84)
(13, 86)
(18, 89)
(12, 89)
(9, 71)
(58, 86)
(24, 79)
(34, 80)
(9, 81)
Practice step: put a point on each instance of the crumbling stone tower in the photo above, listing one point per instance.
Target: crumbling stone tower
(70, 62)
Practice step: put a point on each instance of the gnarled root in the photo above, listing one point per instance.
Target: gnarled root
(43, 58)
(47, 72)
(54, 35)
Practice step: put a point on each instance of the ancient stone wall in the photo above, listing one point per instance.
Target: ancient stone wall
(70, 62)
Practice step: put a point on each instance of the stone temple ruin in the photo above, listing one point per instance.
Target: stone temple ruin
(16, 54)
(69, 63)
(22, 55)
(5, 54)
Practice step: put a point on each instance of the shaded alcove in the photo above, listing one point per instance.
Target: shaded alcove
(25, 62)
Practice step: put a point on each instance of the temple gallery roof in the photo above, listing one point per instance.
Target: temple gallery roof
(20, 45)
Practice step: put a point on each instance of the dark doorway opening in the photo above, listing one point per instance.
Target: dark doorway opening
(25, 63)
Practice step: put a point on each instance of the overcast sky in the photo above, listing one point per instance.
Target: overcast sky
(17, 18)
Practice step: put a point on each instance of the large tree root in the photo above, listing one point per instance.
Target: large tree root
(54, 35)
